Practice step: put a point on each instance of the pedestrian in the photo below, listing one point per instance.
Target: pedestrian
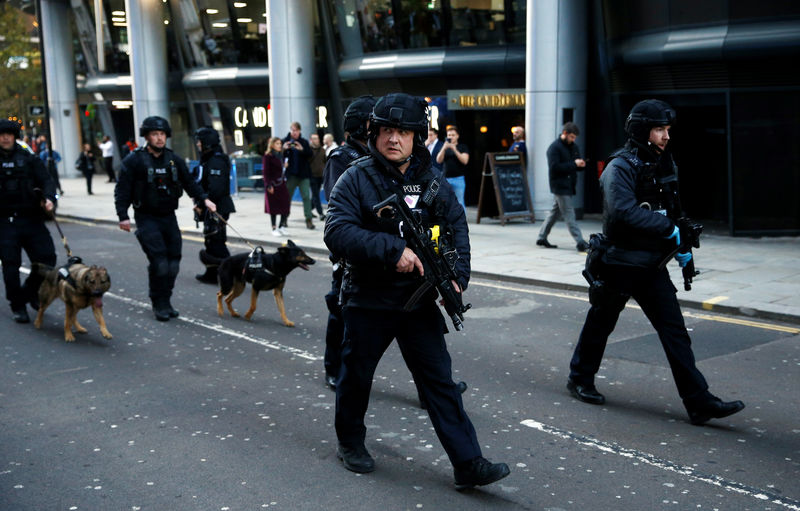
(356, 124)
(296, 154)
(317, 163)
(214, 177)
(563, 162)
(454, 158)
(86, 163)
(434, 146)
(52, 170)
(518, 134)
(638, 239)
(107, 149)
(276, 194)
(26, 194)
(128, 147)
(329, 144)
(152, 178)
(382, 274)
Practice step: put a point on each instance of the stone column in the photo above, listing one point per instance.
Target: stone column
(290, 29)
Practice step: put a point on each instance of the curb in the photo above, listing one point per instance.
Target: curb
(689, 304)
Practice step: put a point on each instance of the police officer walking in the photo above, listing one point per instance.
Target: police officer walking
(356, 122)
(382, 273)
(641, 207)
(215, 178)
(24, 184)
(152, 178)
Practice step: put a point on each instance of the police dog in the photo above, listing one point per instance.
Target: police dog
(79, 286)
(263, 272)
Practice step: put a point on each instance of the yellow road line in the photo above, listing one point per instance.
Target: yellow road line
(706, 317)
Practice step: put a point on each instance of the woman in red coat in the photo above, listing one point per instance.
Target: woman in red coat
(276, 195)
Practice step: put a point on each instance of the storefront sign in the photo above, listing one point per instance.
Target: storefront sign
(482, 99)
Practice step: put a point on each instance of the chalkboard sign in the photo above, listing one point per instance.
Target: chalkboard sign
(510, 182)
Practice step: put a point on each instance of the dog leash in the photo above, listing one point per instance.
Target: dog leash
(233, 229)
(63, 238)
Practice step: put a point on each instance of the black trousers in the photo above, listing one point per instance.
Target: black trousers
(654, 292)
(316, 202)
(161, 241)
(420, 336)
(334, 335)
(30, 234)
(108, 162)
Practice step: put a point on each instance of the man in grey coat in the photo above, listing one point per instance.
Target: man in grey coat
(564, 162)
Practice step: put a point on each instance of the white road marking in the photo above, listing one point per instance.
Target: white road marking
(666, 465)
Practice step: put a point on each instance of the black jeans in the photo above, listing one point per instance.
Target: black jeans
(420, 336)
(334, 335)
(654, 292)
(316, 185)
(30, 234)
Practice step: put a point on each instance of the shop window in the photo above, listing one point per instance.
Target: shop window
(477, 22)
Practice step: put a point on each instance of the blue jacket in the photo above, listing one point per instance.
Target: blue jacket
(352, 232)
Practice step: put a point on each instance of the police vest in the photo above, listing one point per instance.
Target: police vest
(220, 177)
(656, 190)
(17, 195)
(160, 190)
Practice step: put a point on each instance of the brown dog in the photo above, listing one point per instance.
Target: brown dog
(262, 271)
(85, 286)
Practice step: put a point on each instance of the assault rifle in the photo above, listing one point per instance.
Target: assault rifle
(438, 260)
(690, 237)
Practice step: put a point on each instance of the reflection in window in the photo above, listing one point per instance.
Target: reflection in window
(116, 46)
(367, 26)
(223, 32)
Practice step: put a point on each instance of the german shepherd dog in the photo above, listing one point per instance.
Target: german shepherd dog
(263, 272)
(84, 287)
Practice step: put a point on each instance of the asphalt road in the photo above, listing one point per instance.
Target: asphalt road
(217, 413)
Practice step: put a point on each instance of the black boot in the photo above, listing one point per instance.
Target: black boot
(161, 309)
(20, 315)
(209, 277)
(478, 472)
(585, 393)
(356, 459)
(173, 313)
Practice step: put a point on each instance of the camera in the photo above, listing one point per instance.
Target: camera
(449, 140)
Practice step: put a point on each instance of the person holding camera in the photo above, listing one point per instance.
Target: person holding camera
(297, 156)
(152, 179)
(454, 157)
(641, 208)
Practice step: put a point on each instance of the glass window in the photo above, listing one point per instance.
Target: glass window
(477, 22)
(116, 37)
(516, 22)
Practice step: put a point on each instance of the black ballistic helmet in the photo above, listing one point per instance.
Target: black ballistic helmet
(357, 115)
(207, 136)
(646, 115)
(399, 110)
(154, 123)
(9, 126)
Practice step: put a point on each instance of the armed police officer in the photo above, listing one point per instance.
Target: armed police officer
(356, 124)
(641, 207)
(152, 179)
(381, 276)
(26, 193)
(215, 178)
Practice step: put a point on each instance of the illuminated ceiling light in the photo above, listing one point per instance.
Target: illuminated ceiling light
(219, 25)
(166, 22)
(212, 11)
(239, 5)
(118, 20)
(120, 24)
(118, 13)
(265, 14)
(484, 129)
(244, 20)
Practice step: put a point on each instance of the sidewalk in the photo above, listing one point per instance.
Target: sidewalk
(753, 277)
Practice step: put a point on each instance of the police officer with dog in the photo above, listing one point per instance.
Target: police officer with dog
(26, 193)
(214, 175)
(382, 275)
(152, 179)
(641, 209)
(356, 123)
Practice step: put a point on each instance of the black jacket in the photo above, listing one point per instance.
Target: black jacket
(21, 174)
(352, 232)
(338, 161)
(637, 234)
(86, 163)
(215, 178)
(299, 159)
(133, 181)
(562, 169)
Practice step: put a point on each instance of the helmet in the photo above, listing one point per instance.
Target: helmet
(646, 115)
(8, 126)
(207, 136)
(400, 110)
(154, 123)
(357, 115)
